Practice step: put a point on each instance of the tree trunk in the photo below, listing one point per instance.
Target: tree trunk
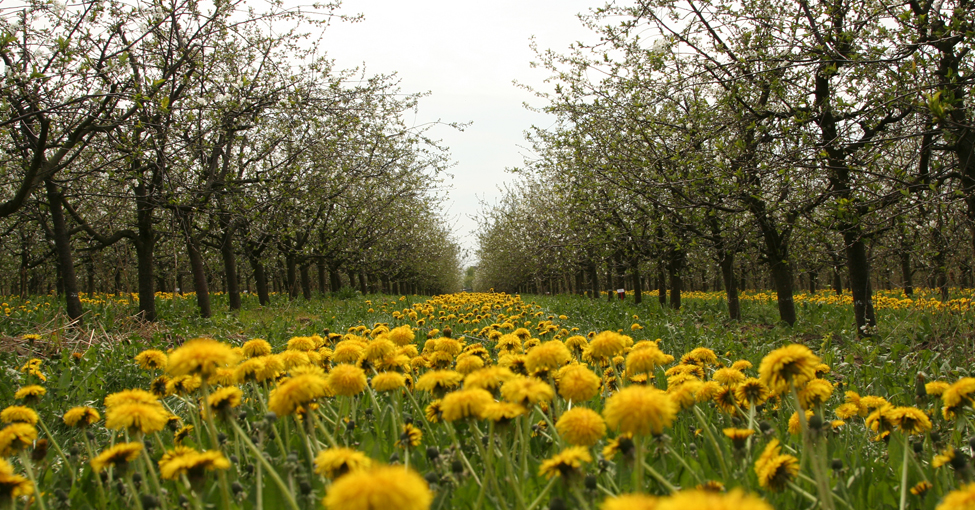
(907, 273)
(260, 279)
(334, 280)
(637, 281)
(320, 269)
(783, 280)
(676, 266)
(62, 244)
(661, 284)
(727, 264)
(859, 266)
(305, 282)
(197, 266)
(230, 268)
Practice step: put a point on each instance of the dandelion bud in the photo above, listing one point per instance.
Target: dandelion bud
(271, 417)
(959, 462)
(304, 487)
(764, 426)
(935, 437)
(815, 422)
(40, 450)
(350, 426)
(431, 478)
(457, 467)
(433, 453)
(837, 464)
(149, 501)
(221, 438)
(394, 458)
(236, 487)
(407, 418)
(590, 482)
(120, 487)
(137, 478)
(918, 446)
(557, 504)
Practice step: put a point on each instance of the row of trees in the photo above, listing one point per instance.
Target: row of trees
(701, 138)
(210, 140)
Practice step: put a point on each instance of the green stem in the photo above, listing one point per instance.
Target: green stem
(637, 474)
(822, 484)
(212, 428)
(98, 480)
(542, 494)
(57, 448)
(659, 478)
(907, 456)
(25, 460)
(289, 496)
(714, 442)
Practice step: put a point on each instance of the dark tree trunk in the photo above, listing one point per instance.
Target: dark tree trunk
(291, 265)
(610, 280)
(676, 267)
(907, 273)
(230, 268)
(637, 281)
(197, 266)
(260, 279)
(661, 284)
(727, 264)
(782, 279)
(859, 266)
(305, 282)
(334, 280)
(62, 244)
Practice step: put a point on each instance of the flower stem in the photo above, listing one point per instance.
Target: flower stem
(714, 442)
(25, 460)
(289, 496)
(907, 456)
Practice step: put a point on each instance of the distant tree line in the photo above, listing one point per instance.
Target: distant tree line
(709, 145)
(176, 146)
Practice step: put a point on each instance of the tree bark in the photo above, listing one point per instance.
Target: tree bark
(676, 267)
(637, 281)
(305, 282)
(230, 268)
(62, 244)
(727, 264)
(197, 266)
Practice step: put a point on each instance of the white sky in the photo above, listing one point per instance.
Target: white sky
(467, 54)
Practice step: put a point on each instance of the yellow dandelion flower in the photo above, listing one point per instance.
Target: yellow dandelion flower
(629, 502)
(439, 381)
(299, 391)
(388, 381)
(947, 456)
(700, 356)
(921, 488)
(936, 388)
(137, 417)
(31, 394)
(644, 361)
(738, 436)
(467, 363)
(347, 380)
(183, 384)
(432, 412)
(869, 402)
(15, 437)
(751, 392)
(742, 364)
(962, 498)
(385, 487)
(547, 356)
(795, 426)
(489, 378)
(466, 403)
(707, 391)
(881, 420)
(410, 437)
(640, 410)
(335, 462)
(13, 486)
(774, 469)
(81, 417)
(910, 420)
(606, 344)
(257, 347)
(151, 359)
(301, 343)
(847, 411)
(565, 463)
(790, 365)
(685, 395)
(620, 444)
(184, 460)
(118, 455)
(526, 391)
(959, 393)
(223, 400)
(728, 376)
(815, 393)
(735, 499)
(502, 412)
(19, 414)
(581, 426)
(577, 383)
(200, 356)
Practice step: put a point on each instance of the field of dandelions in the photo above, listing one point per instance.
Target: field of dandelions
(488, 400)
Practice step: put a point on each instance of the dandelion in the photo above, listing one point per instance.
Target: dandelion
(402, 335)
(347, 352)
(685, 395)
(548, 356)
(790, 365)
(936, 388)
(742, 364)
(439, 381)
(751, 392)
(881, 420)
(565, 463)
(184, 460)
(467, 403)
(605, 345)
(775, 469)
(467, 363)
(335, 462)
(700, 356)
(962, 498)
(735, 499)
(738, 436)
(183, 384)
(301, 343)
(921, 488)
(15, 437)
(526, 391)
(815, 393)
(151, 359)
(728, 377)
(137, 417)
(182, 434)
(12, 485)
(19, 414)
(489, 378)
(502, 412)
(81, 417)
(581, 426)
(299, 391)
(639, 410)
(411, 436)
(223, 400)
(959, 393)
(388, 381)
(386, 487)
(630, 502)
(644, 361)
(947, 456)
(200, 356)
(30, 394)
(432, 412)
(910, 420)
(256, 348)
(577, 383)
(621, 444)
(119, 456)
(795, 426)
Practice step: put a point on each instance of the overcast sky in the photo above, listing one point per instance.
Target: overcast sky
(466, 54)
